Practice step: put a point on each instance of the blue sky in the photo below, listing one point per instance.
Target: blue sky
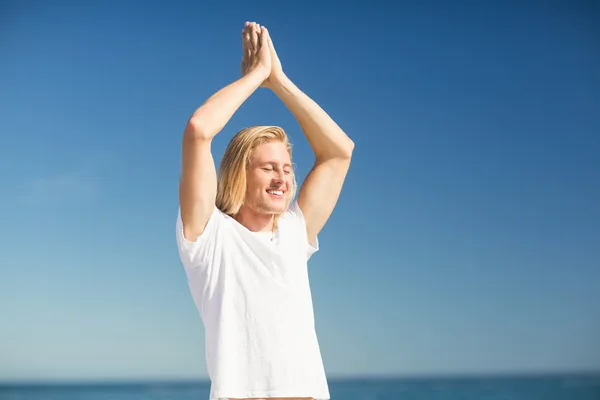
(466, 239)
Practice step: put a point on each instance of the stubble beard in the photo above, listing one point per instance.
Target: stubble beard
(266, 206)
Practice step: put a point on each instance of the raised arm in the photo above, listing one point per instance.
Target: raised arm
(332, 147)
(198, 181)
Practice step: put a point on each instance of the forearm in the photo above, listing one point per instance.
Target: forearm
(326, 138)
(217, 110)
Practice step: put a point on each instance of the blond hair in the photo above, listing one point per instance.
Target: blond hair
(231, 186)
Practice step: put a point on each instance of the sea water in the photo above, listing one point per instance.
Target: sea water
(572, 387)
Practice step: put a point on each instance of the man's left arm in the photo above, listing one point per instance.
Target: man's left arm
(333, 150)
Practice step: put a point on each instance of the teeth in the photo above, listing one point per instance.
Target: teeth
(275, 192)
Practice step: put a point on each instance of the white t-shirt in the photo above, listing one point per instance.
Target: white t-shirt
(253, 295)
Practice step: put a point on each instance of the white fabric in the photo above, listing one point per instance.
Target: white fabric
(254, 298)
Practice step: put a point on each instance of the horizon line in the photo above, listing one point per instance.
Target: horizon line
(204, 380)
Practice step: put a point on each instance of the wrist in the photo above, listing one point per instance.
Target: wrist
(257, 75)
(283, 87)
(279, 82)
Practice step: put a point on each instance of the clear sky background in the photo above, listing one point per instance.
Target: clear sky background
(466, 239)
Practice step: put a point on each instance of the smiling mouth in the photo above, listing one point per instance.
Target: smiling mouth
(276, 193)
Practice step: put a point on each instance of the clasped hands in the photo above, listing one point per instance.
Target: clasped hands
(259, 55)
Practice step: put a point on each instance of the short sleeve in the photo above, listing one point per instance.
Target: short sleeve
(198, 253)
(296, 217)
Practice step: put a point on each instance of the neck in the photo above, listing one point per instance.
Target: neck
(253, 221)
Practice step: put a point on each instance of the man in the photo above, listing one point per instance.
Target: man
(245, 241)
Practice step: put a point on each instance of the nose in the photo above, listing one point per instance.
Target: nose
(278, 178)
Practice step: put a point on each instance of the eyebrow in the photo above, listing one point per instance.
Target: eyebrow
(274, 163)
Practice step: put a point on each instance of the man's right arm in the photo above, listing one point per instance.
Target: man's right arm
(198, 182)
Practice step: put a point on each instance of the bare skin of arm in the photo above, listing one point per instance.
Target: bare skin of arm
(198, 181)
(332, 147)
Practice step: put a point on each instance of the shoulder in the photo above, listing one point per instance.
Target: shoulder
(292, 217)
(293, 212)
(194, 253)
(292, 222)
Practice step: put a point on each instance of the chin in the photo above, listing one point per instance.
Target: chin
(275, 207)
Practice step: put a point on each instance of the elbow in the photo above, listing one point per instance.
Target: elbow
(198, 129)
(341, 151)
(347, 149)
(350, 146)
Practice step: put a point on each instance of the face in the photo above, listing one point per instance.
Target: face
(269, 178)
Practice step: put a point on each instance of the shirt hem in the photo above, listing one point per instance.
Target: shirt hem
(224, 394)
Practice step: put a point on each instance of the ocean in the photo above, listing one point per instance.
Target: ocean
(572, 387)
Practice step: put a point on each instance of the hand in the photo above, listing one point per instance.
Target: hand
(255, 44)
(276, 74)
